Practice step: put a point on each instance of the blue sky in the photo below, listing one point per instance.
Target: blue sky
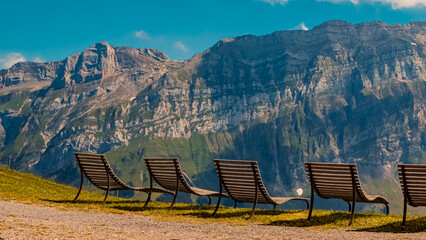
(52, 30)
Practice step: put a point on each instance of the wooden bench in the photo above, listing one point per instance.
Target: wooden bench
(168, 173)
(97, 169)
(413, 184)
(243, 183)
(339, 181)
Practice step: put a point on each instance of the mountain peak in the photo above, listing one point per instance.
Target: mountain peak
(334, 23)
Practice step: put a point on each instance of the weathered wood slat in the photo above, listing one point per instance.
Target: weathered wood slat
(162, 170)
(335, 192)
(417, 195)
(159, 164)
(412, 166)
(160, 159)
(246, 168)
(98, 177)
(239, 180)
(240, 188)
(236, 185)
(95, 170)
(414, 176)
(334, 187)
(416, 186)
(333, 171)
(330, 166)
(331, 176)
(99, 161)
(93, 165)
(166, 175)
(332, 181)
(81, 158)
(226, 161)
(416, 180)
(166, 180)
(89, 158)
(242, 175)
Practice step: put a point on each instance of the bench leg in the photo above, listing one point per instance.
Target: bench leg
(252, 211)
(210, 200)
(311, 206)
(352, 213)
(177, 189)
(255, 198)
(218, 202)
(106, 195)
(107, 190)
(404, 216)
(174, 200)
(81, 185)
(149, 193)
(148, 199)
(275, 206)
(220, 196)
(387, 209)
(235, 204)
(349, 205)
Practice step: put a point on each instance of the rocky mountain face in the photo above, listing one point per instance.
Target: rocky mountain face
(337, 93)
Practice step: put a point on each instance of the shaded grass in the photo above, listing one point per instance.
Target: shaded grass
(27, 188)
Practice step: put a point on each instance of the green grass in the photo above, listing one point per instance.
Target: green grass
(14, 104)
(27, 188)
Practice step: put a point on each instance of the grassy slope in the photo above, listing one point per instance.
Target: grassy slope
(27, 188)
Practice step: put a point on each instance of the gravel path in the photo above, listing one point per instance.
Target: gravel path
(21, 221)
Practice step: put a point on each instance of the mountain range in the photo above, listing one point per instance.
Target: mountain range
(341, 92)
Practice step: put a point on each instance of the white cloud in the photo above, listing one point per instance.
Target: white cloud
(179, 45)
(37, 60)
(275, 2)
(396, 4)
(10, 59)
(339, 1)
(301, 26)
(141, 34)
(404, 3)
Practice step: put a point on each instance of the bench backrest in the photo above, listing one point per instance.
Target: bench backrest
(413, 183)
(334, 180)
(166, 172)
(98, 171)
(239, 179)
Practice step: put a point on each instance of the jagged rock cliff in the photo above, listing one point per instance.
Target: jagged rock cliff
(339, 92)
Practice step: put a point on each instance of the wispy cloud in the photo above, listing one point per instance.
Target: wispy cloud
(141, 34)
(301, 26)
(340, 1)
(179, 45)
(396, 4)
(38, 60)
(9, 59)
(404, 3)
(275, 2)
